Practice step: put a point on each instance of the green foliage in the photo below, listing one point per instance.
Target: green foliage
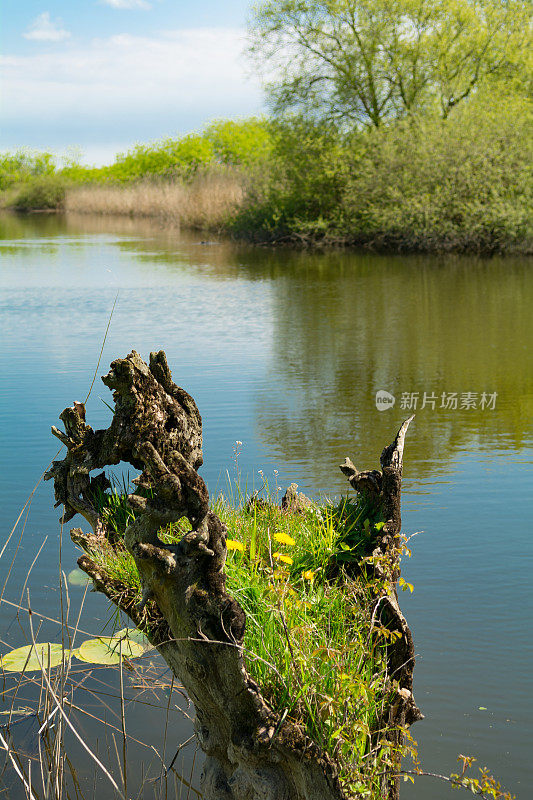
(23, 166)
(463, 183)
(370, 61)
(168, 158)
(74, 173)
(223, 142)
(424, 183)
(240, 143)
(302, 185)
(42, 193)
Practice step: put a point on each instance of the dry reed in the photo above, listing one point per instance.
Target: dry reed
(205, 202)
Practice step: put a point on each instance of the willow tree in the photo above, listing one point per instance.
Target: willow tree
(369, 61)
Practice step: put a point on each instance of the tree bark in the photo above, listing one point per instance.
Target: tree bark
(199, 629)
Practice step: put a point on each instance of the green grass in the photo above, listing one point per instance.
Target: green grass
(309, 644)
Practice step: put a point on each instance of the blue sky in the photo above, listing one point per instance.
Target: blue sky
(101, 75)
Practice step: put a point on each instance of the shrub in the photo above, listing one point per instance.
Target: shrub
(169, 157)
(47, 192)
(419, 183)
(301, 187)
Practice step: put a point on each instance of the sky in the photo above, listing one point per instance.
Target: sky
(94, 77)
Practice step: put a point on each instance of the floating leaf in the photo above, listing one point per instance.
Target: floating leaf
(135, 635)
(15, 661)
(107, 649)
(78, 578)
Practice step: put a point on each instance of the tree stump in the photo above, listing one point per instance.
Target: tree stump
(251, 754)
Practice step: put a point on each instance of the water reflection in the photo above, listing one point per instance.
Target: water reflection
(346, 325)
(285, 351)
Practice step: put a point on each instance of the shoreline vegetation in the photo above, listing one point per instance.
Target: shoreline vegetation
(461, 184)
(400, 127)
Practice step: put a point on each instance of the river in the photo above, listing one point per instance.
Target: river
(285, 351)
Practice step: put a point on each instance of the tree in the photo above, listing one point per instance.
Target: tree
(369, 61)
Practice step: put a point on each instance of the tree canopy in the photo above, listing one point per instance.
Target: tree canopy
(369, 61)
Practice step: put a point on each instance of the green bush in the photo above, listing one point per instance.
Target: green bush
(463, 183)
(168, 158)
(44, 193)
(236, 143)
(301, 186)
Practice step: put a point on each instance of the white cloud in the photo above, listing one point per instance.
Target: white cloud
(127, 88)
(127, 3)
(43, 29)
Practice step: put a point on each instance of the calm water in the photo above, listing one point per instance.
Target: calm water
(285, 351)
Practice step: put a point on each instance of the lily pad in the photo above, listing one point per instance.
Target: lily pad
(135, 635)
(15, 661)
(78, 578)
(107, 649)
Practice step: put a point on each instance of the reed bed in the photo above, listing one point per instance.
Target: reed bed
(206, 202)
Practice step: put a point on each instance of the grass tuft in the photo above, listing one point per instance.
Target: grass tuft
(311, 644)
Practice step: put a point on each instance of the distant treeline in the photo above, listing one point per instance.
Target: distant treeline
(420, 182)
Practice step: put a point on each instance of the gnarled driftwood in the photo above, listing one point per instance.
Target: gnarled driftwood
(250, 753)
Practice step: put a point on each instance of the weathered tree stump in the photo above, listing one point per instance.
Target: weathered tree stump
(199, 629)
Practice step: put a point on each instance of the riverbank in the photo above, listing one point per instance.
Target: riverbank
(463, 184)
(220, 204)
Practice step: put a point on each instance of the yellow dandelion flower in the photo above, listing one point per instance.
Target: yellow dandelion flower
(308, 575)
(281, 557)
(284, 538)
(232, 544)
